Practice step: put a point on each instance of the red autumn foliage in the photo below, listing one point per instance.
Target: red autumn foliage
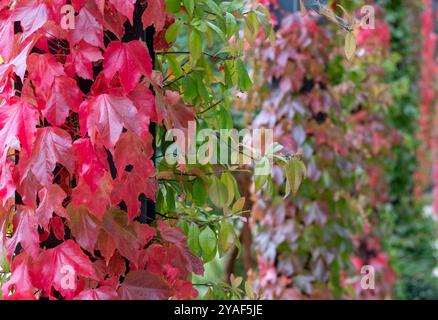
(69, 239)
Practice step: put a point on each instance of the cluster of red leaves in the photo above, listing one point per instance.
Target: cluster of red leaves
(308, 114)
(69, 239)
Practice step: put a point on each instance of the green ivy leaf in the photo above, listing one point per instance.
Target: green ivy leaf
(252, 26)
(208, 243)
(172, 32)
(238, 205)
(295, 171)
(174, 66)
(189, 5)
(195, 45)
(199, 193)
(231, 184)
(193, 239)
(244, 81)
(190, 89)
(227, 237)
(170, 199)
(173, 6)
(260, 173)
(218, 193)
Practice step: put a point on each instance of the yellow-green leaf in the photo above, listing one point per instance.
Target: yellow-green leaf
(189, 5)
(218, 193)
(238, 205)
(226, 238)
(350, 45)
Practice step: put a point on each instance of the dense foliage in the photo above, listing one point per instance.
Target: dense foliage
(101, 102)
(410, 234)
(323, 107)
(78, 103)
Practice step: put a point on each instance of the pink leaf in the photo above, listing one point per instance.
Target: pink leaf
(20, 279)
(6, 38)
(31, 14)
(87, 28)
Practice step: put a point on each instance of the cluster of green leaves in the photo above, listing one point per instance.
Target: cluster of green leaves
(204, 65)
(410, 234)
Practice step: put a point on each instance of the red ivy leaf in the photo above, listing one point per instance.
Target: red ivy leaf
(20, 280)
(51, 199)
(181, 253)
(125, 7)
(25, 232)
(58, 228)
(7, 184)
(43, 69)
(131, 150)
(101, 293)
(107, 114)
(179, 114)
(143, 285)
(18, 119)
(98, 201)
(80, 60)
(144, 100)
(155, 14)
(130, 185)
(54, 265)
(52, 145)
(90, 162)
(124, 235)
(105, 244)
(87, 28)
(130, 60)
(84, 227)
(64, 96)
(31, 14)
(28, 189)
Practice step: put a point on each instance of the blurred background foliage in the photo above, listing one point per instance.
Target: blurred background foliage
(402, 227)
(410, 232)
